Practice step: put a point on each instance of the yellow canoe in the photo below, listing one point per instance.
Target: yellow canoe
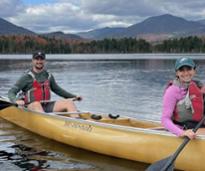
(118, 136)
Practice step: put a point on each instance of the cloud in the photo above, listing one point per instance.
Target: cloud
(119, 12)
(10, 7)
(141, 9)
(120, 7)
(48, 17)
(188, 9)
(81, 15)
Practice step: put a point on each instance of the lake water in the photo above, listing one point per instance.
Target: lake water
(125, 84)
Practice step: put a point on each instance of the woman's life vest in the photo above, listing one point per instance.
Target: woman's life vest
(191, 107)
(40, 91)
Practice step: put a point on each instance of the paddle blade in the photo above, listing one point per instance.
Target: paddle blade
(160, 165)
(5, 104)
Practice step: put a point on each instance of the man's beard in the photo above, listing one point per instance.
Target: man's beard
(39, 67)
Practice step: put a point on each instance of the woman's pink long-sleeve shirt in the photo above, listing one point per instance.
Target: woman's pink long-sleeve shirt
(171, 96)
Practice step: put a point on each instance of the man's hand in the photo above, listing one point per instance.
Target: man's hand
(77, 98)
(20, 102)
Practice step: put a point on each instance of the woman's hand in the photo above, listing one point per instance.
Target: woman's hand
(189, 133)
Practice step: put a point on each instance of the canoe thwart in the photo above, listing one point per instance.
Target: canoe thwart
(113, 116)
(96, 117)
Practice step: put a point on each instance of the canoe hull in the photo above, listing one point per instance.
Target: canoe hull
(139, 144)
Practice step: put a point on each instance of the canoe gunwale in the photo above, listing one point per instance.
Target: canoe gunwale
(102, 124)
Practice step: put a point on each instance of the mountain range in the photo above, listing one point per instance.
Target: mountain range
(152, 29)
(7, 28)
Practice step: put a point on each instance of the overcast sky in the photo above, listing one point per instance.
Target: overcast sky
(71, 16)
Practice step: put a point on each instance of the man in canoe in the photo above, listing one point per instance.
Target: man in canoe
(183, 103)
(36, 85)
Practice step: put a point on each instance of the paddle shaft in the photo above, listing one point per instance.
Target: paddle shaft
(181, 147)
(4, 103)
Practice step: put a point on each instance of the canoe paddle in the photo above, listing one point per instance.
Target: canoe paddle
(5, 103)
(167, 164)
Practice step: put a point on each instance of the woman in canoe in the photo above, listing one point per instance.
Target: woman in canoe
(36, 85)
(183, 104)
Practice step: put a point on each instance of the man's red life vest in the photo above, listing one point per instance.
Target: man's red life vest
(39, 91)
(191, 107)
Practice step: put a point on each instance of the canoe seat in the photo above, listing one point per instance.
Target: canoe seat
(118, 121)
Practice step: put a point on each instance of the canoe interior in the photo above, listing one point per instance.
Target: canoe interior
(116, 120)
(109, 119)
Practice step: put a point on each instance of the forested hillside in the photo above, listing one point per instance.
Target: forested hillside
(28, 44)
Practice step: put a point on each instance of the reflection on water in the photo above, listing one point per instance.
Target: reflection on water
(22, 150)
(128, 87)
(21, 158)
